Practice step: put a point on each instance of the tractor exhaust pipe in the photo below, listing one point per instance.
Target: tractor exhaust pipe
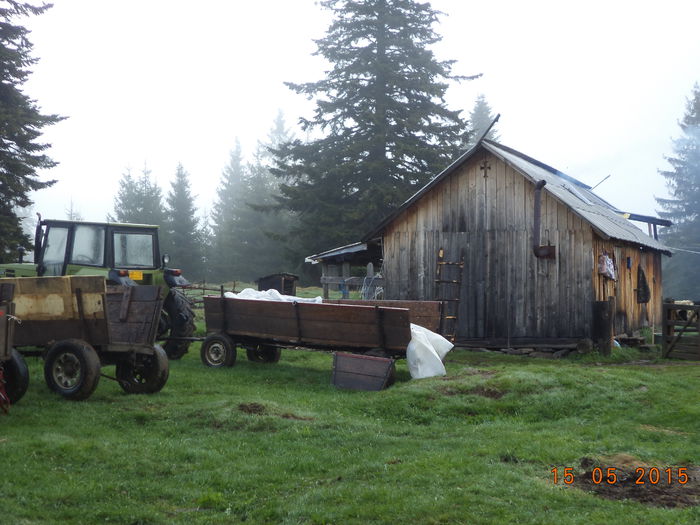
(542, 252)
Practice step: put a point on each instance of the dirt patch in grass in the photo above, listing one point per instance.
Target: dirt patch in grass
(288, 415)
(487, 392)
(668, 431)
(633, 479)
(483, 391)
(252, 408)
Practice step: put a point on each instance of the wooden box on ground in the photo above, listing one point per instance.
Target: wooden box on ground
(310, 324)
(362, 372)
(422, 313)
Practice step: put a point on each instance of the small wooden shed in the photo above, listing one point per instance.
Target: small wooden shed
(527, 249)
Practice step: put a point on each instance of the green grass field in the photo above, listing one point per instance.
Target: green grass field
(278, 444)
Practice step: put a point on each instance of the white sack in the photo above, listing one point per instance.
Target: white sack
(425, 353)
(270, 295)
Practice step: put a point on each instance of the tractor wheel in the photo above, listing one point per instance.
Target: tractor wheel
(177, 320)
(72, 369)
(263, 354)
(218, 350)
(144, 373)
(16, 376)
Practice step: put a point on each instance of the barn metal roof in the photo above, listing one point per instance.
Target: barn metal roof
(604, 217)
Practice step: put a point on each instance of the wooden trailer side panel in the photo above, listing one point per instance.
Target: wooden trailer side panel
(329, 325)
(55, 308)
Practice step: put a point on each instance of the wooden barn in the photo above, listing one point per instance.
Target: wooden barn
(523, 253)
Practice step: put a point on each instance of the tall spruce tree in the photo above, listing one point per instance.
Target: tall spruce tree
(683, 206)
(139, 200)
(227, 251)
(480, 119)
(182, 227)
(386, 127)
(21, 124)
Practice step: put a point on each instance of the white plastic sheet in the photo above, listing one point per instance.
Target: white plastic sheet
(425, 353)
(270, 295)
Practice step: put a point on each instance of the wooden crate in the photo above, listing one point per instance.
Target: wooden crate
(362, 372)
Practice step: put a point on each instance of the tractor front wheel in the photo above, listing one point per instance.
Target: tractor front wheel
(72, 369)
(177, 320)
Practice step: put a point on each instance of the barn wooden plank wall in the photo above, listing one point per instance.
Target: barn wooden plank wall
(630, 315)
(506, 291)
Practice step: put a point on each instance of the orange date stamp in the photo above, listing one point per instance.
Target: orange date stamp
(609, 475)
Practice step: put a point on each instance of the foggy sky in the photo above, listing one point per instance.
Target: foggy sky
(592, 89)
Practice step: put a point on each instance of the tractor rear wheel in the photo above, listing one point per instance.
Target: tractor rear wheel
(144, 373)
(177, 320)
(16, 376)
(72, 369)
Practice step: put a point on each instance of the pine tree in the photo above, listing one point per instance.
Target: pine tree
(683, 208)
(382, 110)
(139, 200)
(21, 124)
(182, 227)
(227, 250)
(480, 119)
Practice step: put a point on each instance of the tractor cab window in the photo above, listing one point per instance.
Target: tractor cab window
(88, 245)
(55, 250)
(134, 250)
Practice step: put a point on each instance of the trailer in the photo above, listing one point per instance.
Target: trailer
(14, 374)
(78, 325)
(262, 328)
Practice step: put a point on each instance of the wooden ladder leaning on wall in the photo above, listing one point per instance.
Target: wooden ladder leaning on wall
(448, 283)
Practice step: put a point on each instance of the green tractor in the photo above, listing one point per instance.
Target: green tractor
(126, 254)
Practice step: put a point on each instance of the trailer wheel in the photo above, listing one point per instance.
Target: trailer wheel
(72, 369)
(177, 320)
(218, 350)
(16, 376)
(263, 354)
(144, 373)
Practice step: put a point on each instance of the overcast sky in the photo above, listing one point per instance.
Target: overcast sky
(592, 88)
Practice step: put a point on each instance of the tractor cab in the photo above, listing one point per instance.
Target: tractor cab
(119, 251)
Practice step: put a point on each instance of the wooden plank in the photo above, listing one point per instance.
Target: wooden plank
(423, 313)
(44, 332)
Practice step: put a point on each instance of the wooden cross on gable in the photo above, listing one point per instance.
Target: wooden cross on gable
(485, 167)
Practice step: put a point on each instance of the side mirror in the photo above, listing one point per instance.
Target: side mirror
(166, 259)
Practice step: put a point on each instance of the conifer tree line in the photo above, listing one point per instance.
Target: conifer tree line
(683, 206)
